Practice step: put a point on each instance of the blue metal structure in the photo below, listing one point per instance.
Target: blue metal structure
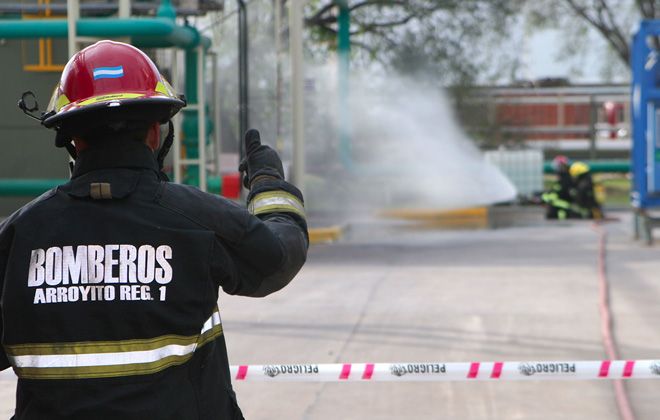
(646, 116)
(646, 127)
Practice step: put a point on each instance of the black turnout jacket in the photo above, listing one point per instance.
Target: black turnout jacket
(109, 289)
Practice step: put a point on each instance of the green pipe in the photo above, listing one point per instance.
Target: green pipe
(214, 185)
(178, 38)
(189, 124)
(36, 187)
(620, 166)
(28, 187)
(343, 62)
(57, 28)
(166, 10)
(147, 29)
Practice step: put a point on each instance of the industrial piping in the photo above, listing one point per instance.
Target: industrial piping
(35, 187)
(155, 32)
(16, 10)
(597, 166)
(158, 32)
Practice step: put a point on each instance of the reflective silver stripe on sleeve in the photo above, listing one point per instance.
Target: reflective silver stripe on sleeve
(276, 201)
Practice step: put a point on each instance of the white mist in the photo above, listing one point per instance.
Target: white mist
(407, 150)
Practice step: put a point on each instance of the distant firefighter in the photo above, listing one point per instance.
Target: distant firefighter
(583, 195)
(559, 199)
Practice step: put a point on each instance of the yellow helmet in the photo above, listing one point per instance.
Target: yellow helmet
(578, 168)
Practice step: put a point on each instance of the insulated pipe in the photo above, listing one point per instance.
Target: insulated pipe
(195, 124)
(166, 10)
(190, 123)
(148, 32)
(184, 37)
(94, 9)
(596, 166)
(36, 187)
(242, 75)
(28, 187)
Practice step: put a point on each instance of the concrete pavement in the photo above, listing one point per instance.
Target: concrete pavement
(385, 293)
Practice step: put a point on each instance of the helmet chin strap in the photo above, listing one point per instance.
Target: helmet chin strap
(165, 149)
(72, 151)
(73, 155)
(67, 143)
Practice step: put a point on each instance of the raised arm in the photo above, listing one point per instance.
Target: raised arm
(274, 245)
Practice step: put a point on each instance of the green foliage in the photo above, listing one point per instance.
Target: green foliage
(449, 40)
(612, 20)
(458, 41)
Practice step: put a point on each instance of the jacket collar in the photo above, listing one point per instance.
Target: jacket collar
(133, 155)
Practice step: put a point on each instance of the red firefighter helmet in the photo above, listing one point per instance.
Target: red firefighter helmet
(109, 84)
(560, 162)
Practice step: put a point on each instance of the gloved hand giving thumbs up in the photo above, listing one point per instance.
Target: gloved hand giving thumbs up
(261, 162)
(271, 198)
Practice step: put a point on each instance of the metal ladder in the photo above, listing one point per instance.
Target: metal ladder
(201, 160)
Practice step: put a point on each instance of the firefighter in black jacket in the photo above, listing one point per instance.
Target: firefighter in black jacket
(109, 283)
(584, 195)
(559, 199)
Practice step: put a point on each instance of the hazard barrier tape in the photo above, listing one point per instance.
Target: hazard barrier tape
(440, 372)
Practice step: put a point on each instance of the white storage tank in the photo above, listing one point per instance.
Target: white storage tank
(524, 168)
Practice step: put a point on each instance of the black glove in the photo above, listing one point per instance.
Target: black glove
(260, 162)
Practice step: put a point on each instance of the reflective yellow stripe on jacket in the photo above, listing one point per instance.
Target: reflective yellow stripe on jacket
(107, 359)
(276, 201)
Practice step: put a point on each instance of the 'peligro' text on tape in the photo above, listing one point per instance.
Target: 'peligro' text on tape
(439, 371)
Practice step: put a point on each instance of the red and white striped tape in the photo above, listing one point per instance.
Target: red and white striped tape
(438, 371)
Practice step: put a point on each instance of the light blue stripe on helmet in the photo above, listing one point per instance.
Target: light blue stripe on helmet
(108, 72)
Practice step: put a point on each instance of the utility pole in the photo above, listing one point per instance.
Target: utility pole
(277, 7)
(124, 9)
(72, 16)
(297, 85)
(593, 120)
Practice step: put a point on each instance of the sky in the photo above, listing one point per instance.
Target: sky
(541, 58)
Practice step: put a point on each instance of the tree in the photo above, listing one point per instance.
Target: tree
(604, 17)
(369, 17)
(612, 19)
(449, 38)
